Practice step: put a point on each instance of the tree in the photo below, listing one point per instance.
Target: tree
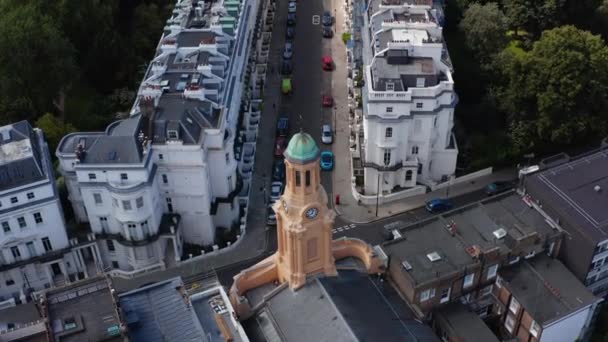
(36, 62)
(557, 93)
(54, 129)
(534, 16)
(485, 29)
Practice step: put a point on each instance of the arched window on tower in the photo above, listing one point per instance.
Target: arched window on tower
(298, 181)
(307, 178)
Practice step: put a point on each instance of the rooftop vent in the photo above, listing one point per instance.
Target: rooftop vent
(433, 256)
(597, 188)
(406, 265)
(499, 233)
(6, 135)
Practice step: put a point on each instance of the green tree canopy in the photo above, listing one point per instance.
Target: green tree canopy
(534, 16)
(54, 129)
(36, 62)
(556, 93)
(485, 28)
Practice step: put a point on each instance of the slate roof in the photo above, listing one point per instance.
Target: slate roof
(159, 312)
(568, 190)
(21, 156)
(350, 307)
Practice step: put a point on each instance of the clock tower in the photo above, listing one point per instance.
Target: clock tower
(304, 221)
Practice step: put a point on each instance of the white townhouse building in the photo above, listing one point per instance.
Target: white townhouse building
(167, 174)
(408, 100)
(35, 252)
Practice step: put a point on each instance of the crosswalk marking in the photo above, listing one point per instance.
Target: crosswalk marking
(343, 228)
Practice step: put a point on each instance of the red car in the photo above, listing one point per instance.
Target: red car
(327, 101)
(328, 63)
(280, 146)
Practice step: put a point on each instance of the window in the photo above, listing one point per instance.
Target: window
(534, 329)
(514, 305)
(388, 133)
(114, 264)
(172, 134)
(133, 232)
(387, 157)
(16, 253)
(418, 105)
(160, 156)
(38, 218)
(486, 290)
(492, 271)
(229, 180)
(227, 158)
(14, 200)
(10, 282)
(92, 176)
(165, 179)
(390, 86)
(30, 195)
(126, 205)
(6, 227)
(427, 294)
(103, 221)
(389, 109)
(124, 176)
(414, 149)
(298, 181)
(47, 244)
(97, 198)
(435, 122)
(510, 323)
(420, 82)
(139, 202)
(445, 295)
(419, 168)
(498, 282)
(31, 249)
(144, 228)
(169, 205)
(307, 178)
(110, 245)
(408, 175)
(417, 125)
(21, 221)
(468, 280)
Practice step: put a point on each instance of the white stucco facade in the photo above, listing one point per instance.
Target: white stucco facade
(408, 100)
(35, 252)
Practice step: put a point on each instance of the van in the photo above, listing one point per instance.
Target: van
(283, 127)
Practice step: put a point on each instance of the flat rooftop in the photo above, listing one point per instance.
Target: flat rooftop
(465, 325)
(84, 311)
(216, 316)
(431, 250)
(577, 191)
(546, 289)
(349, 307)
(20, 156)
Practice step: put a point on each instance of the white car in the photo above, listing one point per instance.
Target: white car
(276, 189)
(326, 134)
(292, 7)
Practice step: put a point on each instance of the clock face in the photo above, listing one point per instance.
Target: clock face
(312, 213)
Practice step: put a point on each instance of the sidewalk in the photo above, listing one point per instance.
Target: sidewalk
(350, 210)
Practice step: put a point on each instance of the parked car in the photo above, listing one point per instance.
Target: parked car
(278, 170)
(271, 218)
(327, 100)
(276, 189)
(438, 205)
(498, 187)
(286, 67)
(286, 86)
(291, 8)
(248, 152)
(291, 19)
(280, 146)
(327, 32)
(290, 32)
(326, 134)
(327, 63)
(327, 19)
(288, 50)
(283, 127)
(327, 161)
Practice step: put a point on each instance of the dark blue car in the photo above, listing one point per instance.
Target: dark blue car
(438, 205)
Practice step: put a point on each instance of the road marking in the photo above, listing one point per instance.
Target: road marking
(316, 19)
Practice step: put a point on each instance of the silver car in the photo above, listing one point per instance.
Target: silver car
(326, 134)
(288, 50)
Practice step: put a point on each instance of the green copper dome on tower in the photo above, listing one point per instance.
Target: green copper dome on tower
(302, 149)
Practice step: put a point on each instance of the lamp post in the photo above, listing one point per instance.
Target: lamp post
(377, 193)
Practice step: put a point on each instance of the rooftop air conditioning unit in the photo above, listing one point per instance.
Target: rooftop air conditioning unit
(406, 265)
(499, 233)
(433, 256)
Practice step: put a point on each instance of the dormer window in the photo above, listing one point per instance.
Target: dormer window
(172, 135)
(420, 82)
(390, 86)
